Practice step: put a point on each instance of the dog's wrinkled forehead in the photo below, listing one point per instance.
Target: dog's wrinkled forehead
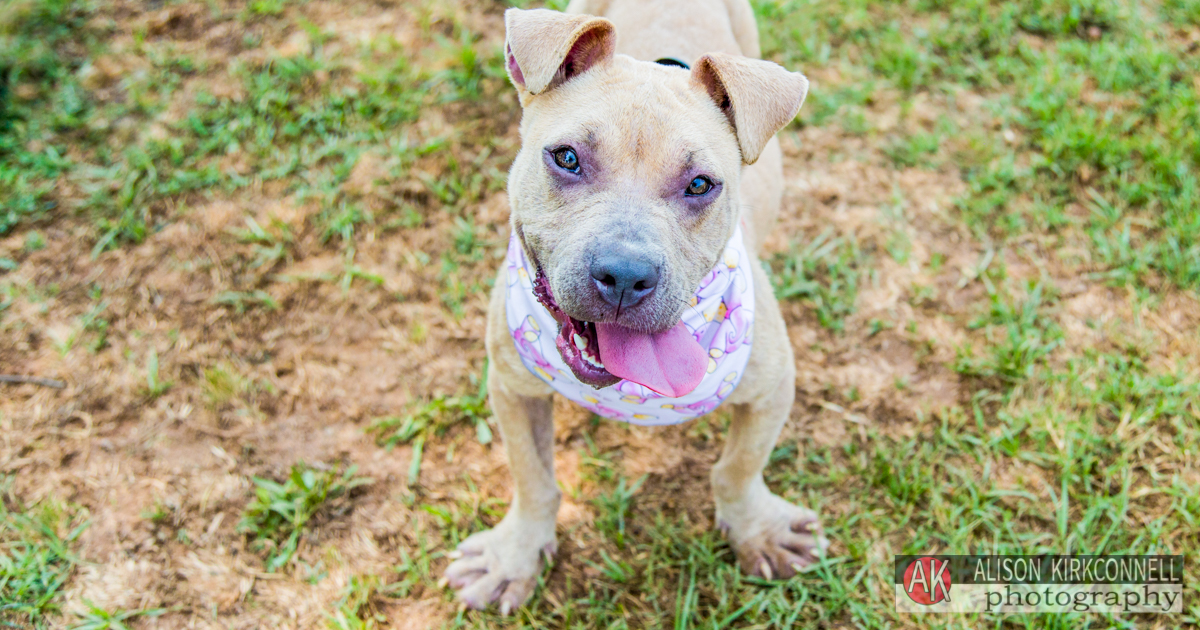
(635, 117)
(549, 55)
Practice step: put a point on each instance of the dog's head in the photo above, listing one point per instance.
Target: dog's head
(625, 190)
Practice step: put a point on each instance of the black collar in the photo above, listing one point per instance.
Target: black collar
(671, 61)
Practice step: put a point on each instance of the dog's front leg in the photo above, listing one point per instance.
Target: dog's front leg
(772, 538)
(502, 564)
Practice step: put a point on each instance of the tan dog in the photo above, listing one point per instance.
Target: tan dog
(631, 179)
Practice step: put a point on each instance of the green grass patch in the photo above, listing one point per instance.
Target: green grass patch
(36, 559)
(359, 606)
(96, 618)
(278, 516)
(824, 273)
(242, 301)
(1021, 337)
(43, 45)
(303, 119)
(434, 418)
(1105, 102)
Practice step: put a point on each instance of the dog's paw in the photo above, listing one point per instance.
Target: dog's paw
(773, 538)
(500, 565)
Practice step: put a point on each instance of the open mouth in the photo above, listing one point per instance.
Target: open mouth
(669, 362)
(578, 341)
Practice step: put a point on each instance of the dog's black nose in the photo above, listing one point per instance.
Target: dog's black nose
(624, 278)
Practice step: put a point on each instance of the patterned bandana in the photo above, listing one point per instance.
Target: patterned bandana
(721, 318)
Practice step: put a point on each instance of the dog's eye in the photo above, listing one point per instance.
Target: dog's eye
(566, 159)
(699, 186)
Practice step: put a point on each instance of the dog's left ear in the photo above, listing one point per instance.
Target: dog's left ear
(544, 49)
(758, 97)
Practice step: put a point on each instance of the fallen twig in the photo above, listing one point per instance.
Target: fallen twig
(44, 382)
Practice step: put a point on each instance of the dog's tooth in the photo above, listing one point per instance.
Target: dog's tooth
(593, 362)
(580, 341)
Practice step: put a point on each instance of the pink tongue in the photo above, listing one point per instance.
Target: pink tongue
(670, 362)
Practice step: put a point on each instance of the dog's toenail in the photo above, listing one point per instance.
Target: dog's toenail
(796, 567)
(806, 527)
(454, 554)
(443, 582)
(505, 608)
(765, 568)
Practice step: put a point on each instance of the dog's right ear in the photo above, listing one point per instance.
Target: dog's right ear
(544, 49)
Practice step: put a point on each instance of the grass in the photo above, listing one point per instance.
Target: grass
(359, 607)
(915, 495)
(1100, 155)
(1021, 338)
(278, 516)
(155, 386)
(613, 507)
(1106, 110)
(241, 301)
(1072, 126)
(42, 45)
(1039, 459)
(432, 419)
(292, 125)
(913, 150)
(36, 559)
(99, 619)
(825, 273)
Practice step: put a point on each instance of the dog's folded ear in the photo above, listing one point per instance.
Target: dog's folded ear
(759, 97)
(544, 49)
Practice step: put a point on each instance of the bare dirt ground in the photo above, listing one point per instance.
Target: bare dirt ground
(252, 393)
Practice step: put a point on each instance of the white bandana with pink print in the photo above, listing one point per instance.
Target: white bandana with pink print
(720, 317)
